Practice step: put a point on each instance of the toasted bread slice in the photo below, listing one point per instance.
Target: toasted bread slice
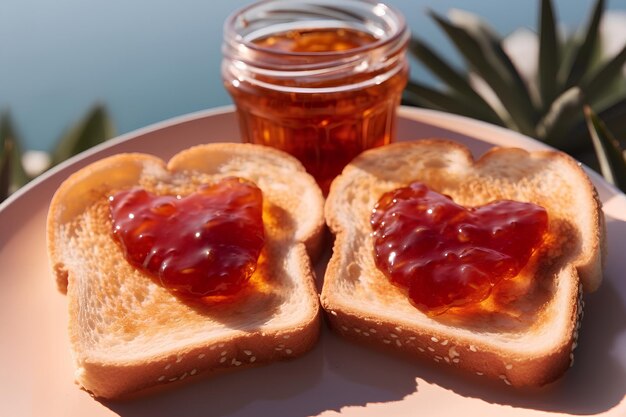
(127, 332)
(526, 331)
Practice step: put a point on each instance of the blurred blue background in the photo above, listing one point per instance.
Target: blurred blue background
(152, 60)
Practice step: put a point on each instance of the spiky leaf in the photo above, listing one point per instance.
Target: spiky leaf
(482, 50)
(549, 53)
(5, 170)
(614, 116)
(562, 115)
(12, 174)
(426, 96)
(572, 73)
(610, 155)
(458, 84)
(94, 128)
(596, 84)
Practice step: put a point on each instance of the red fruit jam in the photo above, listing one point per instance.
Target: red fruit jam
(207, 243)
(447, 255)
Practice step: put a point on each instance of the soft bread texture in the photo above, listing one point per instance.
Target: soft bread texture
(126, 331)
(525, 333)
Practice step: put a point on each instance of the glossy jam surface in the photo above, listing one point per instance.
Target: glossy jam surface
(317, 40)
(324, 130)
(446, 255)
(207, 243)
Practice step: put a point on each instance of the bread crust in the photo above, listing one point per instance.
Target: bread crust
(128, 333)
(525, 342)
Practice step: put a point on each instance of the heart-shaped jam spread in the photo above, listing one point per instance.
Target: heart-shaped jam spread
(207, 243)
(447, 255)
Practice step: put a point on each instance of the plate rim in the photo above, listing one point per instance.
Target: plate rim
(430, 118)
(408, 112)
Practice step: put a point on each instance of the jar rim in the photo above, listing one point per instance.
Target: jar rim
(230, 33)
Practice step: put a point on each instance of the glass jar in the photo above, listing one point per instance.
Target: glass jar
(320, 79)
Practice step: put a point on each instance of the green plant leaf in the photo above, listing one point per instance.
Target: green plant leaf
(548, 62)
(420, 95)
(428, 97)
(94, 128)
(597, 83)
(573, 73)
(556, 124)
(482, 50)
(12, 174)
(610, 155)
(569, 48)
(453, 79)
(5, 169)
(614, 93)
(614, 117)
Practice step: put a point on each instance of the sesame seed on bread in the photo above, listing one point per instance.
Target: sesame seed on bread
(529, 337)
(129, 333)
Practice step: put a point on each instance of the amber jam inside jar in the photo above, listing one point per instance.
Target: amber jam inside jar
(446, 255)
(319, 79)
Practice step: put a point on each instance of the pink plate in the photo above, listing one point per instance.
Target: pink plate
(336, 378)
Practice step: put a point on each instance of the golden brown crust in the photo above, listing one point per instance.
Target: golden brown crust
(128, 333)
(524, 342)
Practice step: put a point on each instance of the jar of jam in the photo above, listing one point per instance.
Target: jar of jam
(320, 79)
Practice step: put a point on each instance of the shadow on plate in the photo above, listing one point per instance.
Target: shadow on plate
(595, 384)
(597, 381)
(297, 388)
(337, 374)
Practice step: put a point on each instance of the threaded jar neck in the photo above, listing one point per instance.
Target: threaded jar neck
(248, 60)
